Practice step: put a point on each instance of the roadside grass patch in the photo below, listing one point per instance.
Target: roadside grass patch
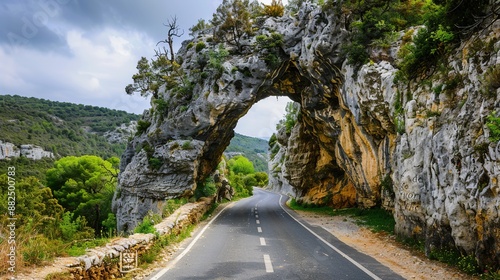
(173, 204)
(376, 219)
(78, 248)
(154, 252)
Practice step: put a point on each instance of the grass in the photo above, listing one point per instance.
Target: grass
(154, 252)
(173, 204)
(376, 219)
(78, 248)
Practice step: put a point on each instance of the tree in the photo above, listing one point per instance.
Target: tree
(200, 26)
(85, 186)
(232, 22)
(35, 204)
(162, 69)
(146, 81)
(173, 31)
(241, 165)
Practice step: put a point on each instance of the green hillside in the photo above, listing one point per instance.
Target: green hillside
(62, 128)
(254, 149)
(75, 129)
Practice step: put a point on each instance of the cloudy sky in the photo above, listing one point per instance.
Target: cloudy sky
(85, 51)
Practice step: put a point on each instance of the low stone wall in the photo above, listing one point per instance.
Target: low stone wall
(104, 262)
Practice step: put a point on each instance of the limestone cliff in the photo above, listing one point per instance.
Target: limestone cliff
(421, 148)
(9, 151)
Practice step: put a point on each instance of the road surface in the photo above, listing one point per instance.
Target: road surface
(258, 238)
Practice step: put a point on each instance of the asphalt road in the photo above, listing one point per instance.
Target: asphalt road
(256, 238)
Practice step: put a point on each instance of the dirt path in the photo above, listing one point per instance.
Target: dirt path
(406, 262)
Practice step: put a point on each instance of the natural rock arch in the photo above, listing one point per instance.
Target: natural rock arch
(190, 136)
(351, 146)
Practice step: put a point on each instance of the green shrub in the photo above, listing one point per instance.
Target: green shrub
(74, 229)
(241, 165)
(38, 249)
(146, 226)
(79, 248)
(110, 225)
(155, 163)
(200, 46)
(206, 189)
(466, 263)
(173, 204)
(250, 180)
(262, 178)
(238, 184)
(142, 127)
(215, 60)
(187, 145)
(272, 44)
(161, 107)
(493, 124)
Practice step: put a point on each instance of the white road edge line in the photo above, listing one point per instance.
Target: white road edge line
(188, 248)
(268, 263)
(262, 241)
(360, 266)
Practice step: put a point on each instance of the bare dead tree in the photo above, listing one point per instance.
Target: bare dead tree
(491, 15)
(173, 31)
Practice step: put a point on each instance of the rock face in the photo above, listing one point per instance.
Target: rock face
(422, 148)
(9, 150)
(122, 133)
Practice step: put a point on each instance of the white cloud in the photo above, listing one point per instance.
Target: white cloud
(82, 53)
(261, 119)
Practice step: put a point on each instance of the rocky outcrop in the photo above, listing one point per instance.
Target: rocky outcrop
(122, 133)
(220, 95)
(421, 148)
(35, 152)
(9, 150)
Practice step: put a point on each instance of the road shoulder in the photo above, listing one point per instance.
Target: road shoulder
(384, 248)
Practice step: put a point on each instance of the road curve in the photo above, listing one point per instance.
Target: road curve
(258, 238)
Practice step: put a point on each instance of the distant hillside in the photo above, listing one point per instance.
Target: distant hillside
(254, 149)
(60, 127)
(74, 129)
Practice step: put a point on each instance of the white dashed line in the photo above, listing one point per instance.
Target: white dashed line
(268, 263)
(262, 241)
(259, 229)
(257, 221)
(257, 216)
